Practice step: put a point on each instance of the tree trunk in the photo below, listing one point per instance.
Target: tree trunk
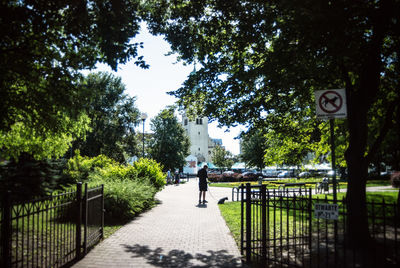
(360, 97)
(357, 223)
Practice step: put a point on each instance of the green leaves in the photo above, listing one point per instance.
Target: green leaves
(170, 143)
(45, 144)
(253, 149)
(222, 158)
(45, 45)
(113, 119)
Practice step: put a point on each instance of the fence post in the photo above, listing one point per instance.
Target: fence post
(263, 223)
(248, 223)
(398, 203)
(310, 220)
(85, 219)
(102, 211)
(6, 230)
(78, 220)
(241, 217)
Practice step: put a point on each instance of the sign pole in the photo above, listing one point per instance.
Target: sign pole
(332, 127)
(335, 226)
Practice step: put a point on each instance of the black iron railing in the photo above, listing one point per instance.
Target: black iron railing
(281, 229)
(53, 231)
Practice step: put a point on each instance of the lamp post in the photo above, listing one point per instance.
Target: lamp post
(143, 116)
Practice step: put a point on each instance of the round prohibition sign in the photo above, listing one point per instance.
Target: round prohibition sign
(330, 102)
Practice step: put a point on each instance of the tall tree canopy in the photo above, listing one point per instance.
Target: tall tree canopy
(44, 45)
(263, 59)
(170, 143)
(222, 158)
(253, 149)
(113, 117)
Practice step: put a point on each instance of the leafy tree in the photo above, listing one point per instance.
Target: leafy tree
(265, 58)
(45, 144)
(222, 158)
(45, 44)
(170, 143)
(253, 149)
(113, 119)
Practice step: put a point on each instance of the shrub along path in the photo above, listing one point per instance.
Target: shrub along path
(176, 233)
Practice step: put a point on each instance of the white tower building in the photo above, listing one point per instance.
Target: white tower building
(197, 131)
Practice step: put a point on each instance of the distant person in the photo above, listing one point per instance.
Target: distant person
(176, 177)
(202, 175)
(169, 176)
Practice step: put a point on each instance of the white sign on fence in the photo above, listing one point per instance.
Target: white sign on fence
(326, 211)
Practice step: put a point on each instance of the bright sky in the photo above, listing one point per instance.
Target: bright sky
(150, 86)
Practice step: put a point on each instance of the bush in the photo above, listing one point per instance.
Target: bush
(214, 177)
(29, 178)
(79, 167)
(124, 199)
(128, 189)
(119, 172)
(395, 179)
(150, 169)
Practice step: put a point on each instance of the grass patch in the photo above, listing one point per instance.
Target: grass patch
(373, 183)
(110, 229)
(231, 213)
(377, 197)
(310, 183)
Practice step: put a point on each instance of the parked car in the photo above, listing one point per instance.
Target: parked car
(330, 173)
(285, 174)
(270, 173)
(305, 174)
(228, 173)
(249, 175)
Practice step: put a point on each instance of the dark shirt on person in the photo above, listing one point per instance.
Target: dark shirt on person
(202, 174)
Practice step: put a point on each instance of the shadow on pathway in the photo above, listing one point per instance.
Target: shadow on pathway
(180, 258)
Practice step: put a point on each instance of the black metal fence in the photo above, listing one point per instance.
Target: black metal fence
(51, 232)
(281, 228)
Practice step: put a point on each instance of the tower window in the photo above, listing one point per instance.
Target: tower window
(199, 132)
(199, 149)
(199, 121)
(185, 122)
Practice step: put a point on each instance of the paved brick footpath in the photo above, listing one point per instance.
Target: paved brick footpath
(176, 233)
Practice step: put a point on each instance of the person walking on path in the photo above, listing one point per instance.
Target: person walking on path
(202, 174)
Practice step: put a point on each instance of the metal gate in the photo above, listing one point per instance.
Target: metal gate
(276, 226)
(54, 231)
(281, 229)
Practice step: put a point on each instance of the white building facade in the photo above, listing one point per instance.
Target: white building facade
(197, 131)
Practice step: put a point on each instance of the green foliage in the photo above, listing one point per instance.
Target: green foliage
(45, 45)
(28, 178)
(46, 144)
(261, 62)
(79, 167)
(113, 119)
(253, 149)
(170, 143)
(148, 168)
(322, 148)
(222, 158)
(129, 189)
(123, 198)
